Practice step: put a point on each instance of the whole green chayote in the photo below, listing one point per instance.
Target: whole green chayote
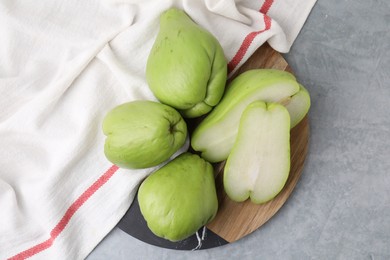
(186, 67)
(142, 134)
(179, 198)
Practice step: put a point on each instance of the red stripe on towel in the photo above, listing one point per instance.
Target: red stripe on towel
(251, 36)
(57, 230)
(266, 6)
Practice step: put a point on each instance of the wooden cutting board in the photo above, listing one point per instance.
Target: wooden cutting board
(234, 220)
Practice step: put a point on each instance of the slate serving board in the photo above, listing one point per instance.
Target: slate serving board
(234, 220)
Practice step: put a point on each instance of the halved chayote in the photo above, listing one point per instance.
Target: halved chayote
(215, 135)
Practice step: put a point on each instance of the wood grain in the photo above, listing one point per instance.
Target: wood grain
(236, 220)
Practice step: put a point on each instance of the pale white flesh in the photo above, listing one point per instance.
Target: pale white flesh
(259, 163)
(298, 106)
(217, 142)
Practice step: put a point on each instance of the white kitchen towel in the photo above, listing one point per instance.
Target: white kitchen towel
(63, 65)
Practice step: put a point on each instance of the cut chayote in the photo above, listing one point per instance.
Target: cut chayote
(215, 135)
(259, 163)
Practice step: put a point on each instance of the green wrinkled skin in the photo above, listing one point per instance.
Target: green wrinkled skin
(142, 134)
(215, 135)
(186, 67)
(179, 198)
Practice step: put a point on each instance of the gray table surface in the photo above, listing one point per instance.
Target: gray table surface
(340, 208)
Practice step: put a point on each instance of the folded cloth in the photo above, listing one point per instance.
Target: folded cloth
(63, 65)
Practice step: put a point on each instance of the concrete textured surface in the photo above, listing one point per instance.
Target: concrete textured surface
(340, 208)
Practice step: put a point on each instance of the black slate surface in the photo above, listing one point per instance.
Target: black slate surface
(134, 224)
